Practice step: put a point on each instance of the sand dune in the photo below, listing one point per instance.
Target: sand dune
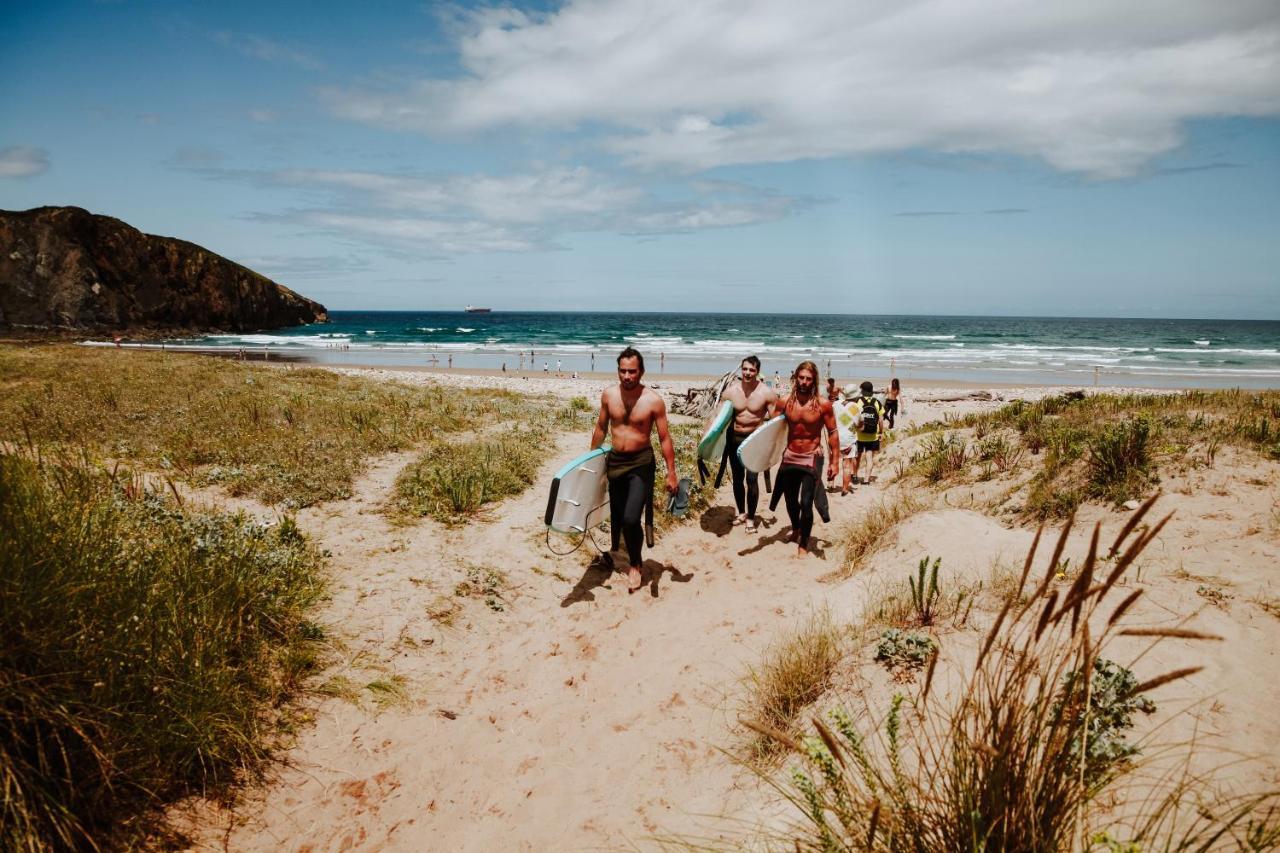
(579, 717)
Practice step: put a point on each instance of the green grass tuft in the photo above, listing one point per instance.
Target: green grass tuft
(147, 650)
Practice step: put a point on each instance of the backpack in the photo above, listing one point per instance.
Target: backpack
(869, 417)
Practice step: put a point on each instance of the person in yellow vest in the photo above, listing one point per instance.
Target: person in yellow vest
(870, 421)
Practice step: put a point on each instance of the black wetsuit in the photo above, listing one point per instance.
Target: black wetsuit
(798, 484)
(630, 492)
(746, 484)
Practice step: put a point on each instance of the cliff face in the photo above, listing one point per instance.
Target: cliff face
(63, 268)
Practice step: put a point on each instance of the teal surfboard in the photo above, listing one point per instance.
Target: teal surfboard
(711, 447)
(579, 495)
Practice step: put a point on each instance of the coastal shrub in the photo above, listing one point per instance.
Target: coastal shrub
(148, 650)
(452, 480)
(286, 436)
(1119, 456)
(998, 764)
(940, 457)
(908, 649)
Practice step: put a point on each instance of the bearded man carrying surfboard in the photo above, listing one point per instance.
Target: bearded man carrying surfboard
(807, 414)
(630, 411)
(751, 400)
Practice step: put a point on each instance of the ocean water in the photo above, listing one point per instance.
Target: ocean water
(1155, 353)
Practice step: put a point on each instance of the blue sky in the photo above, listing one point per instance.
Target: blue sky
(975, 157)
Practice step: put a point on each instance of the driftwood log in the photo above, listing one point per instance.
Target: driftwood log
(701, 402)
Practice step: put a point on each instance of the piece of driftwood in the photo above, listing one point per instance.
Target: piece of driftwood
(953, 398)
(701, 402)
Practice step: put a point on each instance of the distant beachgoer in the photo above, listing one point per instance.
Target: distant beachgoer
(628, 412)
(504, 367)
(752, 401)
(546, 368)
(891, 401)
(522, 359)
(593, 362)
(558, 363)
(807, 415)
(833, 393)
(450, 359)
(870, 419)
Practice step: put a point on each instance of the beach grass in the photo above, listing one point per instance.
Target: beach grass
(861, 538)
(1104, 447)
(149, 651)
(1033, 753)
(286, 436)
(453, 479)
(795, 671)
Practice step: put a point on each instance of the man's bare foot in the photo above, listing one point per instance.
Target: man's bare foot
(752, 526)
(635, 579)
(739, 518)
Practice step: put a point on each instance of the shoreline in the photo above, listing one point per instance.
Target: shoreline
(1115, 382)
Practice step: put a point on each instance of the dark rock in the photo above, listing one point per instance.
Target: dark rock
(66, 269)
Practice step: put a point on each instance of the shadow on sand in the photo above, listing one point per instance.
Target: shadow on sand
(600, 573)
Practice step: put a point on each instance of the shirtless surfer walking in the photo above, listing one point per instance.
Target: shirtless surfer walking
(751, 400)
(630, 411)
(807, 414)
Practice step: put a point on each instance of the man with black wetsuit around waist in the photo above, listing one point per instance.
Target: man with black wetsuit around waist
(630, 411)
(807, 414)
(752, 400)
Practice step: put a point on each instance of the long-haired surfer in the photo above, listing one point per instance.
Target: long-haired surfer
(807, 414)
(752, 400)
(629, 411)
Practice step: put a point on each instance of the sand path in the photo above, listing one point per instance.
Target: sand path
(580, 717)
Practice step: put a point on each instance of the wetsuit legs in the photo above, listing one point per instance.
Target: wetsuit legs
(628, 496)
(797, 485)
(746, 485)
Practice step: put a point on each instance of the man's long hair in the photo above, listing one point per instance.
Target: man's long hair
(817, 381)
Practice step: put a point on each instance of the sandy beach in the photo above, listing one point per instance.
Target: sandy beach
(569, 715)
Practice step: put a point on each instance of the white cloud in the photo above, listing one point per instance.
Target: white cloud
(263, 116)
(1090, 86)
(23, 161)
(528, 211)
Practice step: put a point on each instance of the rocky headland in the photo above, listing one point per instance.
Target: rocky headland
(66, 270)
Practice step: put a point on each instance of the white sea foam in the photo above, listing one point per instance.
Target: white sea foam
(463, 329)
(926, 337)
(1200, 343)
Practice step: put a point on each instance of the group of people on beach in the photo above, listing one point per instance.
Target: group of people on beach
(630, 412)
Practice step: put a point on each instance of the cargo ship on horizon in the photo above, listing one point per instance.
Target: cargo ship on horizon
(471, 309)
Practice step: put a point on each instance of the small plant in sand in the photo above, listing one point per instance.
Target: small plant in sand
(1018, 757)
(907, 649)
(941, 456)
(485, 583)
(925, 594)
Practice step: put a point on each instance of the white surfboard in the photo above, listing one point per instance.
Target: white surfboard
(579, 496)
(711, 447)
(762, 450)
